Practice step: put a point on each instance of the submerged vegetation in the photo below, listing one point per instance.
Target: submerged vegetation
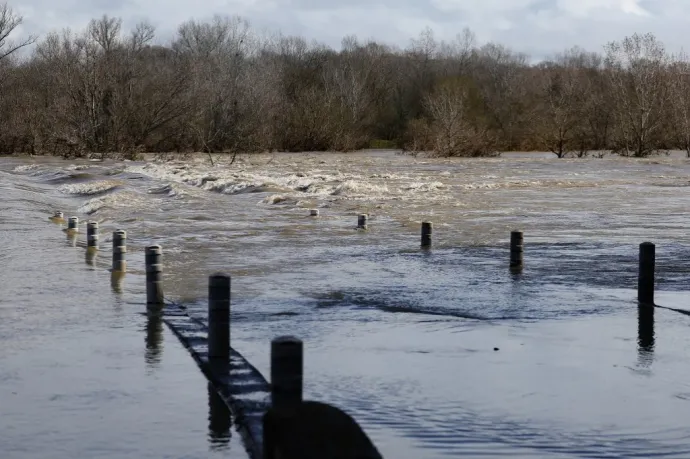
(219, 86)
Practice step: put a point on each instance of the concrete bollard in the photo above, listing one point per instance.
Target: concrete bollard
(645, 280)
(286, 371)
(426, 234)
(154, 275)
(91, 242)
(92, 235)
(73, 224)
(72, 231)
(362, 221)
(219, 317)
(516, 249)
(314, 212)
(59, 215)
(119, 251)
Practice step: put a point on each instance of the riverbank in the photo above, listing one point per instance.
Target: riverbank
(231, 157)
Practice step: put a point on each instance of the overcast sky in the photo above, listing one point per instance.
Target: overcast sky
(537, 27)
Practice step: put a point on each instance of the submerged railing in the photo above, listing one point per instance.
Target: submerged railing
(272, 417)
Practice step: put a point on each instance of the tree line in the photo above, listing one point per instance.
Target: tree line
(218, 86)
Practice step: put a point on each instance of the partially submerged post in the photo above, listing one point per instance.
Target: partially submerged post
(154, 275)
(219, 317)
(314, 212)
(72, 231)
(645, 280)
(362, 221)
(286, 371)
(91, 242)
(73, 224)
(426, 234)
(119, 251)
(58, 217)
(92, 235)
(516, 249)
(117, 271)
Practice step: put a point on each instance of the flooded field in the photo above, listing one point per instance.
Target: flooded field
(401, 338)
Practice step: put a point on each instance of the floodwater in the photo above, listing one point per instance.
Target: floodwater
(437, 353)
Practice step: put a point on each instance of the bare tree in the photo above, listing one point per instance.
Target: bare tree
(679, 86)
(449, 130)
(504, 85)
(218, 52)
(637, 68)
(593, 132)
(9, 21)
(562, 99)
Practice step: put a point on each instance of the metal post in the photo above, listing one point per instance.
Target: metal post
(426, 234)
(286, 371)
(119, 251)
(516, 249)
(73, 224)
(154, 275)
(92, 235)
(219, 316)
(645, 281)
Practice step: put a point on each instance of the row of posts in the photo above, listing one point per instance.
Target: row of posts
(287, 366)
(287, 360)
(154, 269)
(154, 252)
(516, 238)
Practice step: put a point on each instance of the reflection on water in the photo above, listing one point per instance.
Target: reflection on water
(116, 281)
(154, 338)
(219, 421)
(645, 335)
(71, 238)
(90, 256)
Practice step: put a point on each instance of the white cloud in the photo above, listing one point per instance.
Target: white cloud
(538, 27)
(585, 8)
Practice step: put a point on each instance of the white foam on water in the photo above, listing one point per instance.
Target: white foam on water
(318, 183)
(25, 168)
(306, 181)
(358, 188)
(123, 199)
(279, 199)
(527, 184)
(424, 187)
(169, 189)
(89, 188)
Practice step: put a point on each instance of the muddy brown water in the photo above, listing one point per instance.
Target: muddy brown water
(402, 339)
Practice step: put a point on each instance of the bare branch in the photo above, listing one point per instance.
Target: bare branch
(9, 21)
